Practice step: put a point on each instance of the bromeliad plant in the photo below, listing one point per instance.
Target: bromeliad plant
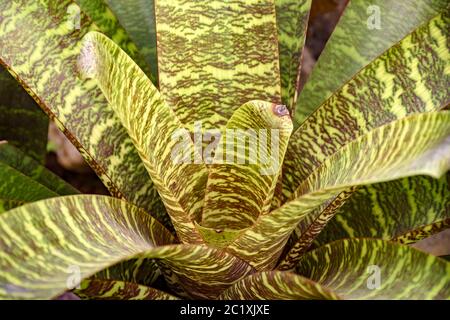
(353, 190)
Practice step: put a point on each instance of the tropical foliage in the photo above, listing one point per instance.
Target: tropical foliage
(364, 150)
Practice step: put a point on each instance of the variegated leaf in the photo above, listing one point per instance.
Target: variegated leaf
(119, 290)
(214, 56)
(377, 269)
(365, 31)
(138, 18)
(105, 19)
(23, 179)
(406, 211)
(154, 128)
(69, 239)
(292, 23)
(40, 46)
(246, 166)
(416, 145)
(22, 123)
(276, 285)
(411, 77)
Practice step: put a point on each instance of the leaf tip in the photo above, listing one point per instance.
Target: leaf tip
(87, 61)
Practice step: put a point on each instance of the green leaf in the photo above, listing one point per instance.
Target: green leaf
(131, 94)
(40, 45)
(411, 77)
(292, 23)
(22, 122)
(119, 290)
(100, 13)
(69, 239)
(140, 270)
(246, 166)
(214, 56)
(138, 18)
(416, 145)
(276, 285)
(23, 179)
(405, 210)
(66, 235)
(351, 267)
(357, 40)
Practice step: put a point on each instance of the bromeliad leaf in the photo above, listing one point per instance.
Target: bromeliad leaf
(138, 18)
(107, 22)
(292, 22)
(119, 290)
(246, 166)
(406, 211)
(345, 115)
(366, 30)
(411, 77)
(23, 179)
(17, 112)
(90, 233)
(276, 285)
(377, 269)
(156, 135)
(64, 234)
(214, 56)
(40, 47)
(374, 157)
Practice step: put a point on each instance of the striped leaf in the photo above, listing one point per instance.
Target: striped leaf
(416, 145)
(105, 19)
(292, 23)
(132, 96)
(22, 122)
(138, 18)
(71, 238)
(23, 179)
(406, 210)
(411, 77)
(246, 166)
(366, 30)
(276, 285)
(68, 239)
(377, 269)
(40, 44)
(214, 56)
(119, 290)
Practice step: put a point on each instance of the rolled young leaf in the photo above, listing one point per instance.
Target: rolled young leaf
(377, 269)
(416, 145)
(366, 30)
(153, 126)
(276, 285)
(246, 166)
(214, 56)
(40, 46)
